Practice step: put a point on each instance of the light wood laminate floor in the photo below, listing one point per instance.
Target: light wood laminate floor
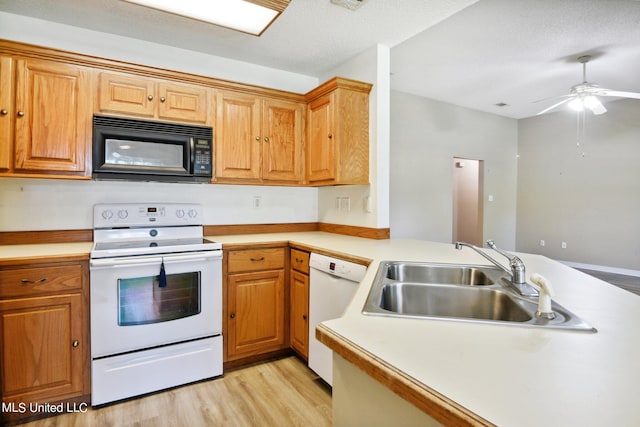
(283, 392)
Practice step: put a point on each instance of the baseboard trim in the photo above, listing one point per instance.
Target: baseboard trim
(604, 268)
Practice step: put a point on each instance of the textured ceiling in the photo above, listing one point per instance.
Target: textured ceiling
(473, 54)
(520, 51)
(310, 36)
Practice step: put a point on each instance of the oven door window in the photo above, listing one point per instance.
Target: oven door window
(141, 300)
(140, 155)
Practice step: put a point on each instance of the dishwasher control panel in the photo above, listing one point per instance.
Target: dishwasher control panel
(338, 267)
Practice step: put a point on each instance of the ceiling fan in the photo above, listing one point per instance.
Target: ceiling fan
(585, 95)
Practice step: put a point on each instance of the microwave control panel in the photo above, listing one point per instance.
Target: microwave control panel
(202, 157)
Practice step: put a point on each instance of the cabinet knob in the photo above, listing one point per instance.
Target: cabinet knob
(162, 99)
(4, 112)
(330, 136)
(257, 138)
(266, 139)
(150, 97)
(20, 113)
(304, 317)
(75, 343)
(232, 315)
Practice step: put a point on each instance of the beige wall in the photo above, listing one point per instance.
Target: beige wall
(591, 202)
(425, 137)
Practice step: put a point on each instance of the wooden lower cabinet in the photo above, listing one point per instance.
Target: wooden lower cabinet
(299, 302)
(255, 303)
(44, 347)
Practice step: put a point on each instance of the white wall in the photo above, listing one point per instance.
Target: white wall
(371, 66)
(50, 204)
(65, 204)
(425, 136)
(590, 201)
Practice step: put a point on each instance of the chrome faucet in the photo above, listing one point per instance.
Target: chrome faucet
(516, 270)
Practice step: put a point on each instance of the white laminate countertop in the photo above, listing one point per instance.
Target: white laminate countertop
(508, 375)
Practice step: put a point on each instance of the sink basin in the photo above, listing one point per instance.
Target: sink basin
(458, 292)
(442, 273)
(419, 299)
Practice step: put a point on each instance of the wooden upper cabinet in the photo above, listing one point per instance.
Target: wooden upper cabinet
(237, 136)
(321, 146)
(258, 139)
(282, 129)
(52, 117)
(133, 95)
(182, 102)
(337, 149)
(6, 112)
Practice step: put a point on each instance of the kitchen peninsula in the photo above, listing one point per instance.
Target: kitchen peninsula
(479, 374)
(470, 373)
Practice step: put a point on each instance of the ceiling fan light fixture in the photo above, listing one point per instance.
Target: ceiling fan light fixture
(247, 16)
(576, 104)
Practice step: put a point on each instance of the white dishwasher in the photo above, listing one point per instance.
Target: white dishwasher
(332, 283)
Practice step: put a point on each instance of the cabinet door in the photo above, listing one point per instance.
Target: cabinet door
(256, 313)
(53, 123)
(183, 103)
(238, 138)
(282, 141)
(299, 326)
(126, 94)
(41, 348)
(320, 156)
(6, 111)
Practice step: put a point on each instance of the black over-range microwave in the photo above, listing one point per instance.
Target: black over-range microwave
(146, 150)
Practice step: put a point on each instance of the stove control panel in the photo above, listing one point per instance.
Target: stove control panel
(137, 214)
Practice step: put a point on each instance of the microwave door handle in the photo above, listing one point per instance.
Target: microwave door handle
(192, 156)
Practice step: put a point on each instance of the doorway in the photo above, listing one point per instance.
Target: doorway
(468, 200)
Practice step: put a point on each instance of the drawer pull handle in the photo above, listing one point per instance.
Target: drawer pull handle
(256, 259)
(232, 315)
(304, 317)
(298, 260)
(75, 343)
(26, 281)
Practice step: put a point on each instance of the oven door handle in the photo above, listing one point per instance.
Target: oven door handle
(168, 259)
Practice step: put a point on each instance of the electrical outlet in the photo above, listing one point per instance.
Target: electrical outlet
(542, 242)
(564, 245)
(257, 202)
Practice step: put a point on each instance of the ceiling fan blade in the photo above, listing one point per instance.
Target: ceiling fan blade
(552, 97)
(594, 104)
(617, 93)
(557, 104)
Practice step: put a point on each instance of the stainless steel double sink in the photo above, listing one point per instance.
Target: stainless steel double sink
(458, 292)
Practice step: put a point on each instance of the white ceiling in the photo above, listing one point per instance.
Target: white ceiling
(466, 52)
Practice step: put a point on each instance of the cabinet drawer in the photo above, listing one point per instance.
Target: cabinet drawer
(256, 259)
(300, 261)
(39, 280)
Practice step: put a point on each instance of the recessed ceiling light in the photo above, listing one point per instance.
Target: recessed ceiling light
(248, 16)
